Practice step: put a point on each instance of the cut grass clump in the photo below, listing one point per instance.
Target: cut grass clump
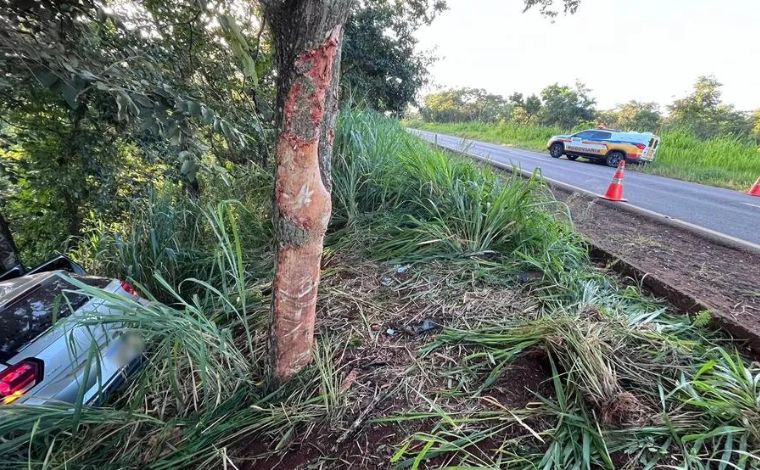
(603, 383)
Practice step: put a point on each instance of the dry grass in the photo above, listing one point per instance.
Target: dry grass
(359, 301)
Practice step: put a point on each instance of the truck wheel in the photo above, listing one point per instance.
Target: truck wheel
(614, 158)
(572, 157)
(556, 150)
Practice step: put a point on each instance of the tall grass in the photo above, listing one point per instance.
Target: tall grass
(727, 161)
(522, 135)
(721, 161)
(443, 206)
(203, 384)
(626, 376)
(172, 233)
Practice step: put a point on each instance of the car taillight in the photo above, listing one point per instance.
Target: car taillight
(641, 146)
(129, 288)
(18, 378)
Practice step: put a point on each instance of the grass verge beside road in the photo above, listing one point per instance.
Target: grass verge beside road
(725, 162)
(537, 358)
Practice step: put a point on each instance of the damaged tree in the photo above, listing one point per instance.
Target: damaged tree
(307, 36)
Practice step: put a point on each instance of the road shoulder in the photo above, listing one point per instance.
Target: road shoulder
(698, 272)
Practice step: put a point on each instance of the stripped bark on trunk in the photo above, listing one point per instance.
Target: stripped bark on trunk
(307, 35)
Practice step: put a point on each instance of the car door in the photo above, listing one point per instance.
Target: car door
(596, 144)
(651, 149)
(581, 142)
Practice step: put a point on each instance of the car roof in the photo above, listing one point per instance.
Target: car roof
(643, 136)
(603, 129)
(12, 288)
(630, 135)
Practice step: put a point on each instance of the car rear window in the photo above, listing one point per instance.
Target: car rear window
(32, 313)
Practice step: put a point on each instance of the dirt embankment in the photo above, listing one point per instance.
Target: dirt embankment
(692, 272)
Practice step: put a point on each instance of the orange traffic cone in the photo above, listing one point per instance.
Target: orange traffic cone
(755, 189)
(615, 189)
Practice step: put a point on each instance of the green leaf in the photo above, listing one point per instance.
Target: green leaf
(207, 114)
(124, 103)
(143, 101)
(239, 47)
(71, 95)
(87, 75)
(193, 108)
(45, 77)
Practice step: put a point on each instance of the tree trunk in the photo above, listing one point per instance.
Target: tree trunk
(9, 257)
(307, 35)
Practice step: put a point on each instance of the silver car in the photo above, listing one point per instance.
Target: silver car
(49, 351)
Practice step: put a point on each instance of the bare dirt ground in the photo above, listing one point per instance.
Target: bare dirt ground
(380, 368)
(723, 279)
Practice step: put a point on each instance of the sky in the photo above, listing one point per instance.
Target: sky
(647, 50)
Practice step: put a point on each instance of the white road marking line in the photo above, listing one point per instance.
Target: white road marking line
(750, 204)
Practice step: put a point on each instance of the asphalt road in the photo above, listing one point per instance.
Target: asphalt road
(728, 212)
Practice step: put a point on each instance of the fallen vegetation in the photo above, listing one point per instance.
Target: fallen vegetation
(533, 357)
